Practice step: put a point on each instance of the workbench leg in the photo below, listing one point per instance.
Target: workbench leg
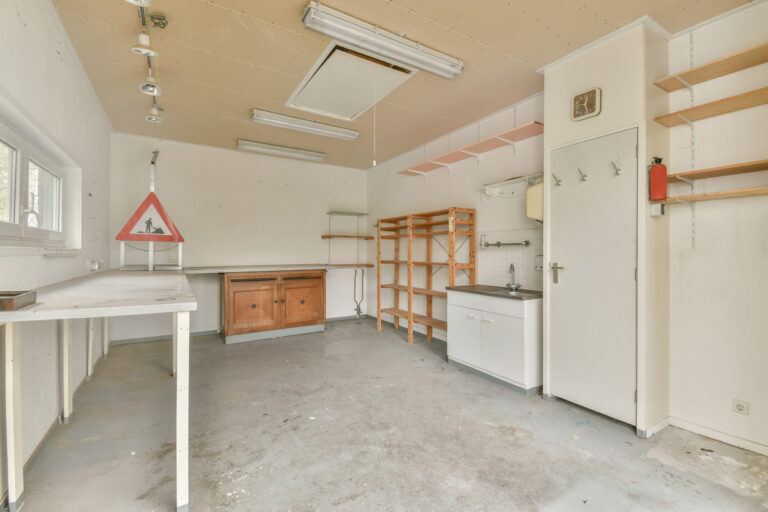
(175, 342)
(89, 355)
(15, 458)
(181, 324)
(105, 337)
(66, 387)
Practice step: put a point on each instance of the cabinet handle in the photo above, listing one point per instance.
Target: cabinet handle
(302, 301)
(472, 317)
(275, 301)
(254, 306)
(282, 301)
(488, 320)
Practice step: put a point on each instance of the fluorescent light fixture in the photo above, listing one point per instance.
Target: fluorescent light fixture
(378, 42)
(150, 87)
(303, 125)
(270, 149)
(143, 47)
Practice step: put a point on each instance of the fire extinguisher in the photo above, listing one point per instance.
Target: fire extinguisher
(657, 173)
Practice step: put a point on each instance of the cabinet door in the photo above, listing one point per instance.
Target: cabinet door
(503, 348)
(252, 306)
(464, 335)
(302, 300)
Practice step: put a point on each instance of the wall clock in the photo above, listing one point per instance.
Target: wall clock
(587, 104)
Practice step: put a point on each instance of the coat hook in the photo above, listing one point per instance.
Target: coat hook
(616, 168)
(558, 181)
(582, 176)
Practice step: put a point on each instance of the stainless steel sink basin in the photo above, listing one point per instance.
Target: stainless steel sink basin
(498, 291)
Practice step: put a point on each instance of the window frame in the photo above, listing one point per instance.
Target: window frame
(17, 232)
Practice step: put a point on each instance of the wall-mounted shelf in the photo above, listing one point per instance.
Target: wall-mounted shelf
(361, 237)
(715, 108)
(712, 196)
(717, 172)
(505, 138)
(732, 63)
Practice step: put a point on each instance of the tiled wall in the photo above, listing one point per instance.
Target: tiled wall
(493, 262)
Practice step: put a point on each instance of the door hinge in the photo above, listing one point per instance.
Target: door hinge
(635, 396)
(636, 155)
(635, 273)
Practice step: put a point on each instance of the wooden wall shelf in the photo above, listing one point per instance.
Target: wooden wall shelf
(712, 196)
(451, 217)
(717, 172)
(732, 63)
(361, 237)
(715, 108)
(504, 138)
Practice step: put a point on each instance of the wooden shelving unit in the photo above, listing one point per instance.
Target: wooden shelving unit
(459, 222)
(712, 196)
(504, 138)
(715, 108)
(717, 172)
(732, 63)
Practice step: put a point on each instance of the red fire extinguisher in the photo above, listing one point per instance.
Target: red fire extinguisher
(658, 179)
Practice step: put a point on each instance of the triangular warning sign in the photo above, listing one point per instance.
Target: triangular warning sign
(150, 223)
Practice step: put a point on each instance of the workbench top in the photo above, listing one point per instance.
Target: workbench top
(227, 269)
(109, 293)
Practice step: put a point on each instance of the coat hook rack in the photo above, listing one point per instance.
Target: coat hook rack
(616, 168)
(558, 181)
(582, 176)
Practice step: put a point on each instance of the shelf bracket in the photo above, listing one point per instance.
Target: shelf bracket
(511, 143)
(682, 81)
(687, 181)
(687, 121)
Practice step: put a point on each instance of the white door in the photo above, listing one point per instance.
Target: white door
(593, 219)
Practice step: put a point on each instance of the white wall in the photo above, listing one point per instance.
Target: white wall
(237, 208)
(46, 93)
(499, 219)
(719, 290)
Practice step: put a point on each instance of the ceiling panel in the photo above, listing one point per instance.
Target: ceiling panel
(221, 58)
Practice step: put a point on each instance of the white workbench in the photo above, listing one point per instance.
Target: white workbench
(101, 295)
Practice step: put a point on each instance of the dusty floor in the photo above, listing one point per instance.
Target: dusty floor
(354, 420)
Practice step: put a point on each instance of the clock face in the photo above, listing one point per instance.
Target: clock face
(586, 104)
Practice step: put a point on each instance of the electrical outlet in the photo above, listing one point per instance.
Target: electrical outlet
(741, 407)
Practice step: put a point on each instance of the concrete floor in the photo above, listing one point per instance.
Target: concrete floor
(354, 420)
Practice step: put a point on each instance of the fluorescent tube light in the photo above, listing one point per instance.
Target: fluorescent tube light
(378, 42)
(303, 125)
(270, 149)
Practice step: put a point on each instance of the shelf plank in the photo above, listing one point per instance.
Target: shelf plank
(523, 132)
(418, 291)
(717, 172)
(347, 214)
(715, 108)
(452, 157)
(712, 196)
(361, 237)
(730, 64)
(420, 319)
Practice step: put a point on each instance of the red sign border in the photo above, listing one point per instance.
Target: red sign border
(151, 200)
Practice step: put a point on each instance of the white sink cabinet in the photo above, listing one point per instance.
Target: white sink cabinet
(497, 336)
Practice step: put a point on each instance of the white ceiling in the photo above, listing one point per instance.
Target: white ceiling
(221, 58)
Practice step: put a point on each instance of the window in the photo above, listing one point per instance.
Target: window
(7, 181)
(34, 183)
(43, 198)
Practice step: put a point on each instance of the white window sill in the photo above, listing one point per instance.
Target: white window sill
(47, 252)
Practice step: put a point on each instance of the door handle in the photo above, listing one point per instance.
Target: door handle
(555, 271)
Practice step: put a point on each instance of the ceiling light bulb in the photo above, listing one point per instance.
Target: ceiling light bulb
(140, 3)
(143, 47)
(150, 87)
(154, 116)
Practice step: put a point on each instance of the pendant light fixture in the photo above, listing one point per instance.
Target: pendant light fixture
(154, 115)
(150, 87)
(143, 47)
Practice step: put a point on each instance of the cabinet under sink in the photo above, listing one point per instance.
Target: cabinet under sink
(496, 335)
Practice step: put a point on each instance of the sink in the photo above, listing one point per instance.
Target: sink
(498, 291)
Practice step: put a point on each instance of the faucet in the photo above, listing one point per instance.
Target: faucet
(512, 285)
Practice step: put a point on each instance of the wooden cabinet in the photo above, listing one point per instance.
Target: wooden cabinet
(259, 302)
